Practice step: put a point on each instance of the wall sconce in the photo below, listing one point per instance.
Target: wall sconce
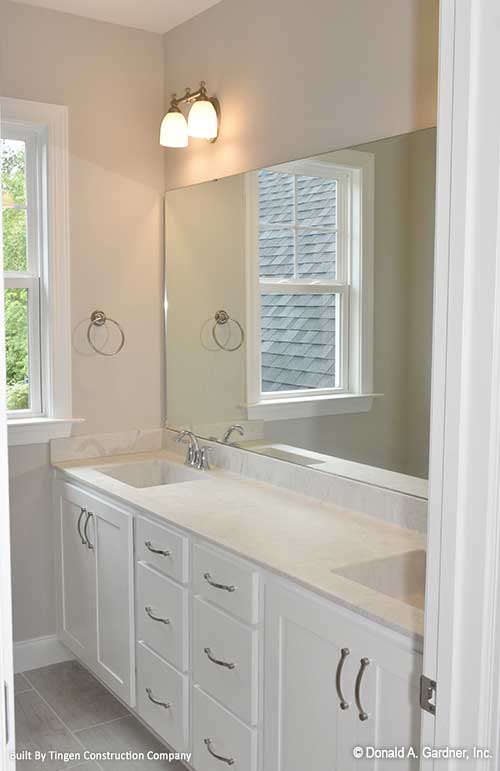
(203, 119)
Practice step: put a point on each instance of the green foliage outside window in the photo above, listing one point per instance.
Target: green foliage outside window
(14, 254)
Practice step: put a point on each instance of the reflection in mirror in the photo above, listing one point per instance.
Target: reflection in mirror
(300, 310)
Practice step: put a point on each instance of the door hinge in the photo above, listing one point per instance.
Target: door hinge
(428, 694)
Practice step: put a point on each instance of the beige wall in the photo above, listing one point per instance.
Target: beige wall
(111, 79)
(297, 79)
(32, 540)
(205, 227)
(206, 260)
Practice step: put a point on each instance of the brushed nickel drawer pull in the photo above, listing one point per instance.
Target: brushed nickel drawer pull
(149, 611)
(164, 704)
(85, 533)
(208, 744)
(82, 512)
(338, 678)
(208, 579)
(227, 664)
(162, 552)
(357, 690)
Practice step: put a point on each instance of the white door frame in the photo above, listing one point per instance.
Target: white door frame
(7, 738)
(462, 635)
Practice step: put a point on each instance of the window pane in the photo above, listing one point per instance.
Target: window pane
(17, 349)
(316, 201)
(275, 198)
(276, 253)
(13, 171)
(317, 255)
(298, 341)
(14, 239)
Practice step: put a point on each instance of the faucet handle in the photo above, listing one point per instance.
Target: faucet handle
(230, 430)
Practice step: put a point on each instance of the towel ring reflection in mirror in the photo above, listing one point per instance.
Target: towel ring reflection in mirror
(222, 318)
(99, 319)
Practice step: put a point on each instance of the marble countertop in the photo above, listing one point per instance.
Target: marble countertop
(287, 533)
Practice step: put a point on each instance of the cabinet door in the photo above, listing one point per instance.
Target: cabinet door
(304, 724)
(77, 587)
(110, 532)
(389, 701)
(312, 717)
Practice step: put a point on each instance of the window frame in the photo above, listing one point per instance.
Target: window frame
(49, 125)
(353, 283)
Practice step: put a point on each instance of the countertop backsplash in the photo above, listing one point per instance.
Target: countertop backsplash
(389, 505)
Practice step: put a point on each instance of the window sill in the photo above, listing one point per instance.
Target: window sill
(39, 430)
(310, 406)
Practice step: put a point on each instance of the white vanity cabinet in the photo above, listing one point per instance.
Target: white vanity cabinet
(222, 658)
(334, 682)
(96, 586)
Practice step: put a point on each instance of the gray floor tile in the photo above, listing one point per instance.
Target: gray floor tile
(123, 735)
(21, 684)
(77, 697)
(39, 729)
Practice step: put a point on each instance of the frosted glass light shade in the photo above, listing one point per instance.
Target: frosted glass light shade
(174, 130)
(202, 120)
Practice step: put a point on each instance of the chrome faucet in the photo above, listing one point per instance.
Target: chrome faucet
(230, 430)
(193, 451)
(196, 456)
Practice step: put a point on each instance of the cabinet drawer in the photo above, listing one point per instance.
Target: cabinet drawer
(228, 583)
(162, 548)
(225, 659)
(217, 731)
(158, 680)
(161, 615)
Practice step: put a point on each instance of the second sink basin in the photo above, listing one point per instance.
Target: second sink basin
(401, 576)
(151, 473)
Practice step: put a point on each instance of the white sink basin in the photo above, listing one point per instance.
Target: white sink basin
(401, 576)
(151, 473)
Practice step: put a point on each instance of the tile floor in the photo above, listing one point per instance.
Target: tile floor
(63, 707)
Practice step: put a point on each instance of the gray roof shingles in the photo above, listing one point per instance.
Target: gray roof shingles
(298, 330)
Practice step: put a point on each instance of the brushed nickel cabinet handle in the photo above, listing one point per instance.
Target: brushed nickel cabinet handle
(227, 664)
(208, 744)
(85, 531)
(82, 512)
(149, 611)
(164, 704)
(357, 689)
(162, 552)
(226, 587)
(338, 678)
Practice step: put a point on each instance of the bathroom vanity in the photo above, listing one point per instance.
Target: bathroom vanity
(247, 624)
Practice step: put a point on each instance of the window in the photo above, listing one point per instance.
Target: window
(309, 271)
(21, 217)
(35, 270)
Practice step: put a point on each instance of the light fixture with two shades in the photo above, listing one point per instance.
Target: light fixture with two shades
(202, 121)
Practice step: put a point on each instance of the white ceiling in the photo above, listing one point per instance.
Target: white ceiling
(152, 15)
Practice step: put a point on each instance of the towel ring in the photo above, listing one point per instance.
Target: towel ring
(98, 319)
(222, 317)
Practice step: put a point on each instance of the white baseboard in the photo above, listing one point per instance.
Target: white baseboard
(39, 652)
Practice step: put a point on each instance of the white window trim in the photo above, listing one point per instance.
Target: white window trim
(358, 354)
(55, 316)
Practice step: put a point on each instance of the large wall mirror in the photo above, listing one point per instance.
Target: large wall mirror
(299, 309)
